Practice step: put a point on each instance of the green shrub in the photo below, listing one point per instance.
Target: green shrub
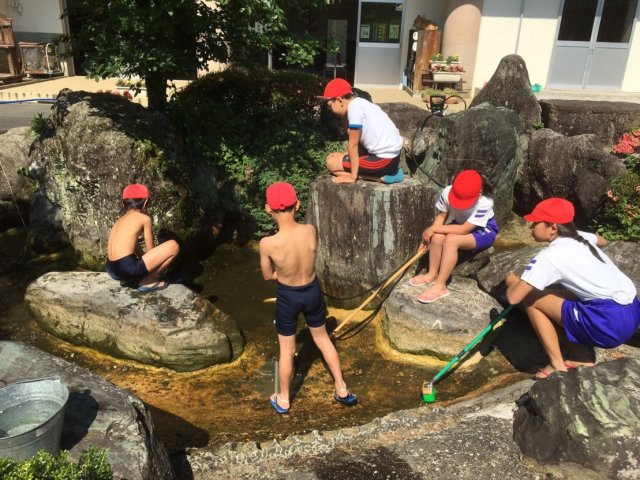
(40, 124)
(92, 465)
(255, 127)
(619, 217)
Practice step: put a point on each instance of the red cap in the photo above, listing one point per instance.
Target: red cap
(466, 188)
(552, 210)
(136, 190)
(338, 87)
(281, 195)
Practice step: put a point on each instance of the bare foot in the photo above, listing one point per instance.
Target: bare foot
(546, 371)
(432, 294)
(420, 280)
(575, 364)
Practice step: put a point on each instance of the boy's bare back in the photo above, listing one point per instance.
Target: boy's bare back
(123, 238)
(292, 252)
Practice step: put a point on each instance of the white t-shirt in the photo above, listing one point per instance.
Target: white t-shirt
(477, 214)
(571, 264)
(379, 136)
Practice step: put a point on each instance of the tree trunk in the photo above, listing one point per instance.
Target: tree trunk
(156, 91)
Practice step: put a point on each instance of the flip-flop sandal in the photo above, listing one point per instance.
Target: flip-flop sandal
(419, 284)
(154, 287)
(541, 374)
(274, 403)
(349, 400)
(571, 367)
(422, 300)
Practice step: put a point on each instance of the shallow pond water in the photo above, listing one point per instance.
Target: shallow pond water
(229, 402)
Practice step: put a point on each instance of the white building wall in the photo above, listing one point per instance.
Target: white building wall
(631, 82)
(537, 37)
(42, 16)
(504, 31)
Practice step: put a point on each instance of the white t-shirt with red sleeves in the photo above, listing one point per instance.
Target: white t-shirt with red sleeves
(379, 136)
(478, 214)
(571, 264)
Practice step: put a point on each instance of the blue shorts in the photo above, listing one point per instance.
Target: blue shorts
(130, 269)
(290, 301)
(600, 323)
(484, 236)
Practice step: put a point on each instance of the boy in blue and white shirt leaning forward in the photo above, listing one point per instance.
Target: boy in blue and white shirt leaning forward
(598, 306)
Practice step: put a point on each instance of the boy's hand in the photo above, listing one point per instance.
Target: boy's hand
(343, 179)
(511, 279)
(426, 235)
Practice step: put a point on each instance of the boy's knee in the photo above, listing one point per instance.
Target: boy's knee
(173, 246)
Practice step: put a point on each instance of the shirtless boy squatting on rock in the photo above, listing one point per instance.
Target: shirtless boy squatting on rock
(289, 258)
(125, 259)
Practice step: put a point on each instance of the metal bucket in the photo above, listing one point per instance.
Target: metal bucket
(31, 417)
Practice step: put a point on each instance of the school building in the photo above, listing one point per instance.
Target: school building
(590, 45)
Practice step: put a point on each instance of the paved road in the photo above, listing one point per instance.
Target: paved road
(20, 114)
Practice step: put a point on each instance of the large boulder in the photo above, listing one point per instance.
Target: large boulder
(16, 189)
(366, 231)
(510, 87)
(173, 328)
(606, 120)
(589, 416)
(98, 414)
(441, 328)
(575, 168)
(99, 143)
(481, 138)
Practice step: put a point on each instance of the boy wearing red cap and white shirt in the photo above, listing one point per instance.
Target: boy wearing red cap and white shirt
(289, 257)
(599, 307)
(125, 259)
(473, 227)
(374, 143)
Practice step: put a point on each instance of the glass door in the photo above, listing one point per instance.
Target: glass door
(593, 44)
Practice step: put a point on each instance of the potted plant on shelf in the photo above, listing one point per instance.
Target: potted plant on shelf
(437, 59)
(449, 72)
(455, 58)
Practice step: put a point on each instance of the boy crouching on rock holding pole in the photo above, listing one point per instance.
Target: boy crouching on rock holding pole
(289, 257)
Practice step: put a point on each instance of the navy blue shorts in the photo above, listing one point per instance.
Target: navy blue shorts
(290, 301)
(600, 323)
(130, 269)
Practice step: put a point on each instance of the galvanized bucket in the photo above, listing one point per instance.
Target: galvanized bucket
(31, 417)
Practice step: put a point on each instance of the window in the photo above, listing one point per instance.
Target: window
(577, 20)
(617, 21)
(380, 22)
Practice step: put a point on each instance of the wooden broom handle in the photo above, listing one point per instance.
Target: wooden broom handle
(373, 295)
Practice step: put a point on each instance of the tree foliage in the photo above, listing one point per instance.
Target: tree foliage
(158, 40)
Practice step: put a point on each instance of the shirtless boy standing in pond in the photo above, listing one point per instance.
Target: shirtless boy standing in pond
(125, 259)
(289, 257)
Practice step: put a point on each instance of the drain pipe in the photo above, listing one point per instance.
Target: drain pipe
(522, 3)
